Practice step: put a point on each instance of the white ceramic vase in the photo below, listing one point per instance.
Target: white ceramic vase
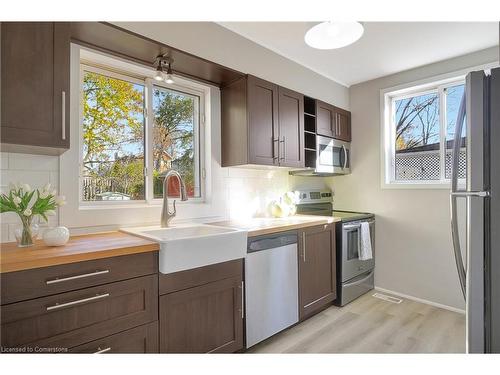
(57, 236)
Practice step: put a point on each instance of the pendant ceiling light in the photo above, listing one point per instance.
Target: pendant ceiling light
(331, 35)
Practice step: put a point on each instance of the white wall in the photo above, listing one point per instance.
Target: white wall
(216, 43)
(413, 241)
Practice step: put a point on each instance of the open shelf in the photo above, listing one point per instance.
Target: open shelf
(310, 124)
(310, 132)
(310, 141)
(310, 158)
(309, 106)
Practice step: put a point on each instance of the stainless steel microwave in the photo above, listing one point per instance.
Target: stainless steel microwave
(333, 157)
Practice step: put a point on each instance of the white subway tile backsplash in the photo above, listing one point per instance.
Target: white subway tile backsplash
(4, 160)
(36, 179)
(238, 193)
(30, 162)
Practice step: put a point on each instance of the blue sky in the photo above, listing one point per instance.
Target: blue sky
(453, 97)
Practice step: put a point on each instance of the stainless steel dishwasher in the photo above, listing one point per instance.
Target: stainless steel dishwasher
(271, 278)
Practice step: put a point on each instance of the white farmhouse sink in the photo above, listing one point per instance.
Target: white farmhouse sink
(188, 246)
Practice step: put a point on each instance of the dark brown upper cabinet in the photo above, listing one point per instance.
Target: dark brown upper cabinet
(262, 124)
(333, 122)
(317, 270)
(263, 133)
(35, 71)
(291, 128)
(343, 124)
(325, 123)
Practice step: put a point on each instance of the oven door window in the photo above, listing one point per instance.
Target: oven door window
(353, 242)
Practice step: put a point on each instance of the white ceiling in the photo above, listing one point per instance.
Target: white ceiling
(385, 47)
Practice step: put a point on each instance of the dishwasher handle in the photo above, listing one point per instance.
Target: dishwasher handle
(271, 241)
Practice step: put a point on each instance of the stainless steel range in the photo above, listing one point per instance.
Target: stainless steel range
(354, 276)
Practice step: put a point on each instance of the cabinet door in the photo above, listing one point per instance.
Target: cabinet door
(35, 58)
(342, 125)
(325, 121)
(291, 128)
(203, 319)
(317, 275)
(262, 101)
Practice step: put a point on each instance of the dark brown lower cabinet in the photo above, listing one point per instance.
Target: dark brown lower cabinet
(206, 318)
(142, 339)
(73, 318)
(317, 274)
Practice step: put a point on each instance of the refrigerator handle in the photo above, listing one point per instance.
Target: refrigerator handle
(455, 194)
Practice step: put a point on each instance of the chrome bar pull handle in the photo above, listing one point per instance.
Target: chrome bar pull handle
(69, 278)
(58, 306)
(462, 275)
(100, 351)
(63, 115)
(304, 247)
(466, 194)
(283, 141)
(275, 145)
(242, 286)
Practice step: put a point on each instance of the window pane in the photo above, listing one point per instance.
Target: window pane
(175, 144)
(417, 138)
(113, 139)
(453, 97)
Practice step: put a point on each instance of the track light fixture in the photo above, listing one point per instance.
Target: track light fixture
(163, 63)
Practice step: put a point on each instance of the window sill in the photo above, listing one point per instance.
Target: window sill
(138, 204)
(437, 185)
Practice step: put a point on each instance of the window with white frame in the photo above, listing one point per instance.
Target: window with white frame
(133, 130)
(419, 127)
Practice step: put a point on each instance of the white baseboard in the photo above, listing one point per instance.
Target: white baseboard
(435, 304)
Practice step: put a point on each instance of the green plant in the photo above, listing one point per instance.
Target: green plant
(22, 200)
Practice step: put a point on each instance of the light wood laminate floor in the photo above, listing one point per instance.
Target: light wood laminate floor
(371, 325)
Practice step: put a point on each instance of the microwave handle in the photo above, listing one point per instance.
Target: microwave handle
(345, 157)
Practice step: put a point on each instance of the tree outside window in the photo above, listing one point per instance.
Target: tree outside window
(114, 150)
(423, 135)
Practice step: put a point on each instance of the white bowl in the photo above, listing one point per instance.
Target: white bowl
(57, 236)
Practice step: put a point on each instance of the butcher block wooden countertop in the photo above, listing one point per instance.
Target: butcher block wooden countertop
(261, 226)
(110, 244)
(79, 248)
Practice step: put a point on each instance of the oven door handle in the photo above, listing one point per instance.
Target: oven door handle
(353, 226)
(361, 281)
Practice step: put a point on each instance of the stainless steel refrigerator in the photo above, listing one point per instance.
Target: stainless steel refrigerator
(479, 265)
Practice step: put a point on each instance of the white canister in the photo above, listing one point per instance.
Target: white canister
(57, 236)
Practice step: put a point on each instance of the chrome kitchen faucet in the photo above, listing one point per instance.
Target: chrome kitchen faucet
(166, 215)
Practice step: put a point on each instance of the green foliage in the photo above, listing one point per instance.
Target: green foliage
(113, 132)
(112, 116)
(130, 171)
(20, 201)
(173, 136)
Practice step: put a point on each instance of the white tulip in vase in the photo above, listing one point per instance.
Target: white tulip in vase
(29, 204)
